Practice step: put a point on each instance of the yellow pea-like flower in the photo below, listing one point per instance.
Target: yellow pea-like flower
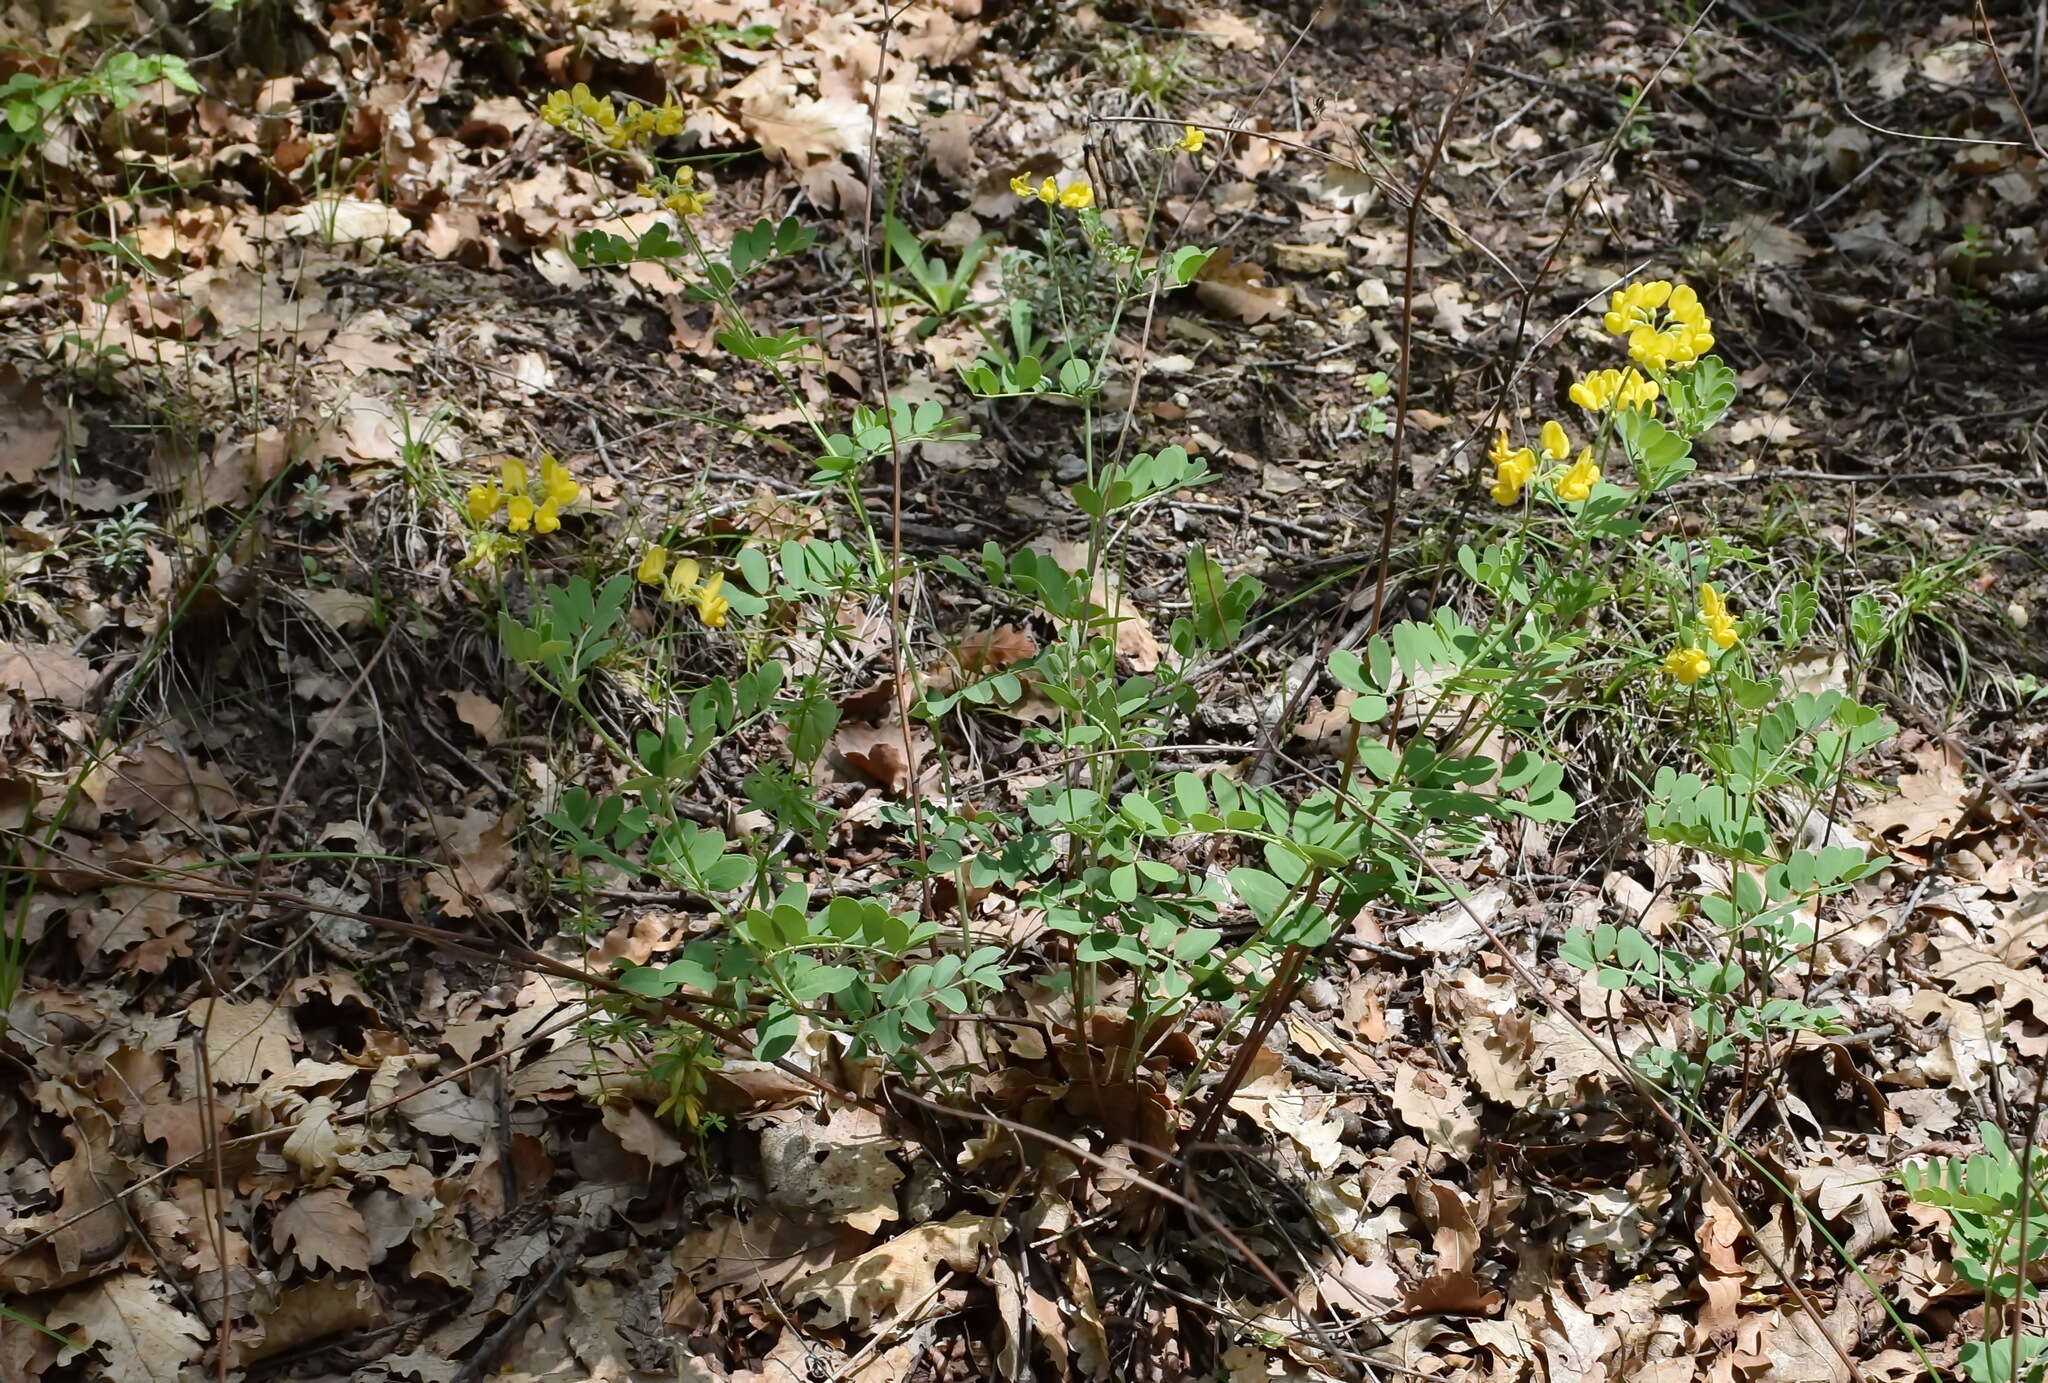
(651, 564)
(483, 502)
(1078, 195)
(1048, 192)
(1603, 389)
(1686, 666)
(556, 482)
(518, 513)
(1556, 445)
(687, 202)
(1513, 468)
(1021, 185)
(1714, 613)
(1576, 485)
(712, 607)
(547, 518)
(682, 581)
(1191, 140)
(512, 475)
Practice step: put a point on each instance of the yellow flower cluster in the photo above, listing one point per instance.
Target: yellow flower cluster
(1191, 140)
(1515, 467)
(537, 506)
(1603, 389)
(678, 192)
(601, 122)
(680, 585)
(1714, 614)
(1075, 195)
(1666, 327)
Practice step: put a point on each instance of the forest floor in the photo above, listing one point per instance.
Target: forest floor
(260, 335)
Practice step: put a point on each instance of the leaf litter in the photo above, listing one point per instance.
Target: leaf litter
(1440, 1162)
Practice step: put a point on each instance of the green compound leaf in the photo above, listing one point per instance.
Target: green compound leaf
(1660, 455)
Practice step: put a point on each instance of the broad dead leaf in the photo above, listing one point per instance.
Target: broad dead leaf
(45, 672)
(245, 1042)
(322, 1228)
(131, 1323)
(307, 1312)
(1438, 1107)
(641, 1133)
(1232, 286)
(159, 781)
(480, 714)
(1926, 807)
(1765, 242)
(348, 221)
(31, 436)
(1229, 31)
(798, 130)
(841, 1168)
(901, 1274)
(476, 846)
(877, 752)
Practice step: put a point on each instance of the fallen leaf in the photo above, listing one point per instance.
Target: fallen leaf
(477, 851)
(30, 434)
(1135, 641)
(141, 1337)
(244, 1042)
(1576, 1345)
(841, 1168)
(157, 781)
(321, 1227)
(1437, 1106)
(642, 1134)
(340, 609)
(1230, 285)
(480, 714)
(877, 751)
(45, 672)
(1927, 805)
(1310, 259)
(797, 130)
(1765, 242)
(307, 1312)
(1229, 31)
(347, 221)
(901, 1273)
